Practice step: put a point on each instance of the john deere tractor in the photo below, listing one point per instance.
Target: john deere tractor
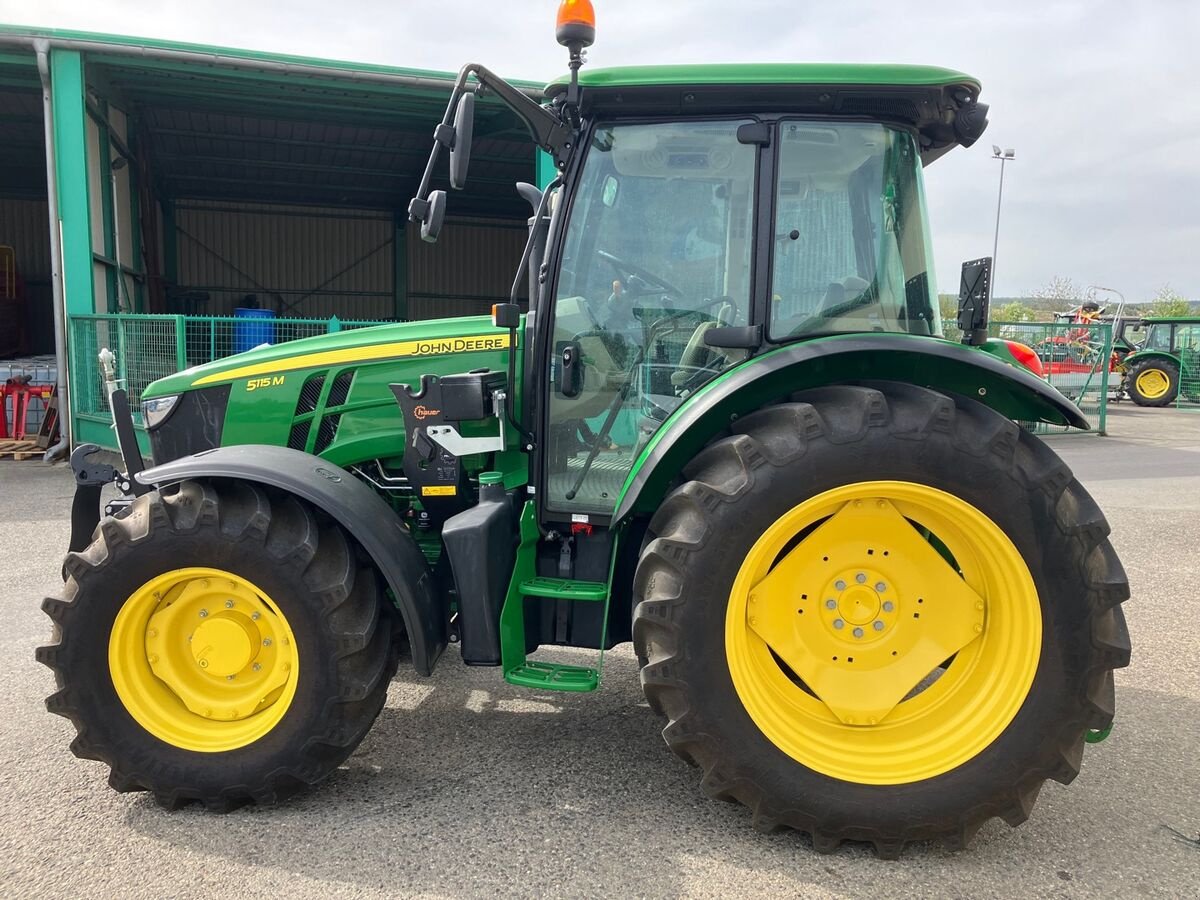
(1165, 364)
(867, 604)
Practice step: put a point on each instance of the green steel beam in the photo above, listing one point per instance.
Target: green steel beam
(400, 265)
(106, 202)
(70, 148)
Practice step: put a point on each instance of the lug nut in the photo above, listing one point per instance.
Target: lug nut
(839, 624)
(831, 604)
(877, 625)
(202, 663)
(840, 585)
(888, 605)
(880, 586)
(860, 578)
(858, 632)
(204, 613)
(229, 677)
(255, 616)
(153, 659)
(229, 604)
(151, 633)
(258, 666)
(266, 642)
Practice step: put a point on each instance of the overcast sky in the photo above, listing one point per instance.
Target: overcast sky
(1099, 99)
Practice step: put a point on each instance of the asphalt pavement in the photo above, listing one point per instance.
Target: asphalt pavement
(467, 787)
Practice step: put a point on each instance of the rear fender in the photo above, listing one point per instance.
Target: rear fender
(354, 506)
(941, 365)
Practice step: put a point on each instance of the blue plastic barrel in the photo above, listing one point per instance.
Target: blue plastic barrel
(254, 327)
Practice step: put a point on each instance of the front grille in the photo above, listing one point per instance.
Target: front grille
(327, 432)
(195, 424)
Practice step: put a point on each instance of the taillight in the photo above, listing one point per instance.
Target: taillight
(1026, 357)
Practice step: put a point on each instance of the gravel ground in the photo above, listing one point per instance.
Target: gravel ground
(468, 787)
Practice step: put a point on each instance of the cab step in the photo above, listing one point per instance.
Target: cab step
(554, 676)
(564, 589)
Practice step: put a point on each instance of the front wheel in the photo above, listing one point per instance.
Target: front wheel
(880, 614)
(1153, 382)
(218, 643)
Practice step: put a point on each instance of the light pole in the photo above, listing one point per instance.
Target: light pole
(1003, 157)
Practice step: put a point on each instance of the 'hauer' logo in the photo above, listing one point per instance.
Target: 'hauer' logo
(422, 412)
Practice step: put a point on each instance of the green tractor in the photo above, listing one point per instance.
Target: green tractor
(1164, 361)
(868, 605)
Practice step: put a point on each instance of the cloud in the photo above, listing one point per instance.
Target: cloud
(1098, 98)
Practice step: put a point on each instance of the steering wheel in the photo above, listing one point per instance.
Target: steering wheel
(627, 271)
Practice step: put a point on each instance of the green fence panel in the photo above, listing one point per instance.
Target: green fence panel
(1188, 397)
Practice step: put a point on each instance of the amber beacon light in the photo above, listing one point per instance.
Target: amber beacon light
(576, 25)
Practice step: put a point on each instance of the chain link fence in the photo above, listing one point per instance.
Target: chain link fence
(1188, 396)
(149, 347)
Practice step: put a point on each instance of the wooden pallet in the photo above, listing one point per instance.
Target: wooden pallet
(20, 450)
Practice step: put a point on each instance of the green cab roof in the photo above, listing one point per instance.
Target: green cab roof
(882, 74)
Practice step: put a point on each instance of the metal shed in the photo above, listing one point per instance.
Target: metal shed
(186, 182)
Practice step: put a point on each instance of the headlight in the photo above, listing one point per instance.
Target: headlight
(155, 412)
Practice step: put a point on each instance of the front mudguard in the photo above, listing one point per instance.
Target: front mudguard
(359, 510)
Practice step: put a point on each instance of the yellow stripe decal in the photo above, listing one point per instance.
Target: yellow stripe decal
(432, 347)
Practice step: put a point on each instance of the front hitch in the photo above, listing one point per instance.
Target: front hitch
(91, 477)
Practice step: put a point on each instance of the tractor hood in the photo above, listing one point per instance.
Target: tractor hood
(357, 346)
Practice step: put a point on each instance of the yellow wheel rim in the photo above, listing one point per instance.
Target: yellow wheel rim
(1153, 383)
(203, 660)
(843, 612)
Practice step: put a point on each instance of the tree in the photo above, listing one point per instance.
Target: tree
(1169, 304)
(1058, 288)
(1015, 311)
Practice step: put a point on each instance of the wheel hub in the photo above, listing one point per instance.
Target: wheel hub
(226, 645)
(855, 608)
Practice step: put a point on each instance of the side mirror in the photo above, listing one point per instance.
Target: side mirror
(974, 296)
(431, 224)
(460, 153)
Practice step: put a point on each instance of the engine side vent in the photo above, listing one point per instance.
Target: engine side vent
(327, 432)
(298, 439)
(340, 390)
(310, 394)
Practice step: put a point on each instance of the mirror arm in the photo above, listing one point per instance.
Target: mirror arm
(549, 132)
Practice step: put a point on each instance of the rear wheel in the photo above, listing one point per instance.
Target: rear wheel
(880, 614)
(220, 644)
(1153, 382)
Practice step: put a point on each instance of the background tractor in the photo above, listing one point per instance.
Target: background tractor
(867, 604)
(1164, 361)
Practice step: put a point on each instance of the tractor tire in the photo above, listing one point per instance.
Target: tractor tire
(1153, 382)
(219, 643)
(814, 492)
